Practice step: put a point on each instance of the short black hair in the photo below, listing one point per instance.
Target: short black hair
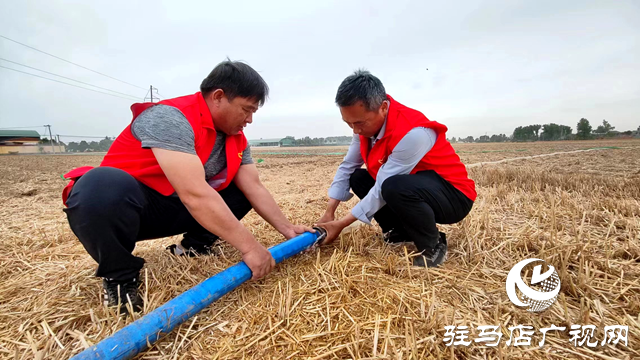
(361, 86)
(236, 78)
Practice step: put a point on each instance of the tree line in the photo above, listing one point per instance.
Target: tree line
(554, 132)
(536, 132)
(92, 146)
(319, 141)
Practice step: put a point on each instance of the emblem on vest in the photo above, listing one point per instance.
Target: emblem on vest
(383, 160)
(240, 155)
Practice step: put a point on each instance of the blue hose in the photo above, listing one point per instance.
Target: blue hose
(135, 337)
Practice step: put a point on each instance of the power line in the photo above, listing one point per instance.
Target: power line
(154, 98)
(64, 77)
(62, 82)
(84, 67)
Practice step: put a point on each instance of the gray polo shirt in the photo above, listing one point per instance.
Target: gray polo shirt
(166, 127)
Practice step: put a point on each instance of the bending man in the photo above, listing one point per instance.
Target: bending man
(413, 180)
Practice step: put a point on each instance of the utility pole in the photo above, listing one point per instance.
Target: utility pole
(59, 147)
(151, 92)
(50, 138)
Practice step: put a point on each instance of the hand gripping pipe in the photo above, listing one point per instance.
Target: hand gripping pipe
(135, 337)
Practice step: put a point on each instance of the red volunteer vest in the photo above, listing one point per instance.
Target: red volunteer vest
(442, 158)
(126, 152)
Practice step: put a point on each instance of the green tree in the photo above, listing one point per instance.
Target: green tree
(105, 144)
(552, 132)
(483, 139)
(83, 146)
(549, 132)
(499, 138)
(536, 129)
(583, 130)
(526, 133)
(518, 134)
(605, 128)
(468, 139)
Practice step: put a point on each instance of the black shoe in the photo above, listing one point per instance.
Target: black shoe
(433, 257)
(123, 293)
(179, 250)
(393, 237)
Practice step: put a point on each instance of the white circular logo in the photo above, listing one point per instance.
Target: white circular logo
(543, 291)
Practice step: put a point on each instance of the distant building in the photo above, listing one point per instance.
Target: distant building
(24, 142)
(337, 140)
(288, 141)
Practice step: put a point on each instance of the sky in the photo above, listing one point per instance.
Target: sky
(492, 65)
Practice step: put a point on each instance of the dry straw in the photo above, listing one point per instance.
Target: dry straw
(359, 298)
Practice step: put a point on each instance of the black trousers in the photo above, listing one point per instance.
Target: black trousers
(415, 203)
(109, 211)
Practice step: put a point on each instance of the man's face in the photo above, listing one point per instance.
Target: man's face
(362, 121)
(235, 115)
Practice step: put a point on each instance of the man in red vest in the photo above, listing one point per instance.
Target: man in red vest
(413, 180)
(183, 165)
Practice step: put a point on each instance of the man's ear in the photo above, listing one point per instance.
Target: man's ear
(217, 96)
(384, 107)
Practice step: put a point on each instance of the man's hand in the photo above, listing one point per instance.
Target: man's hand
(295, 230)
(327, 217)
(334, 228)
(259, 260)
(329, 214)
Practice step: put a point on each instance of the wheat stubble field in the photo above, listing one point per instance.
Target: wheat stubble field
(357, 298)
